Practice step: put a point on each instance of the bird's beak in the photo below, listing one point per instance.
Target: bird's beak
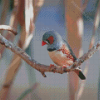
(43, 43)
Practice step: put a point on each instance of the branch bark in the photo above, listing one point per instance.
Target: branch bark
(8, 28)
(44, 68)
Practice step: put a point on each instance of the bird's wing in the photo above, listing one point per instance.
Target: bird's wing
(71, 52)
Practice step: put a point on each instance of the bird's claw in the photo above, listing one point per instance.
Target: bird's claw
(64, 66)
(52, 65)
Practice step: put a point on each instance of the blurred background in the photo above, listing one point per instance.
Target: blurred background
(49, 15)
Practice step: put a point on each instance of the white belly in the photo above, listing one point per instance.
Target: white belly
(59, 58)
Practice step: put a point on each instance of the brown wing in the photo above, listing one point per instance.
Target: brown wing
(66, 51)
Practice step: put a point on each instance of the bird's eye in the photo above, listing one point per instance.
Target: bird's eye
(47, 41)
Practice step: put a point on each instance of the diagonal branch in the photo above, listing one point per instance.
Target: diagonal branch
(44, 68)
(8, 28)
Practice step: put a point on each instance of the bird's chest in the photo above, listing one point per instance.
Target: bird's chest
(59, 58)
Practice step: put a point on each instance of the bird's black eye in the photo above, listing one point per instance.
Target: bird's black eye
(48, 41)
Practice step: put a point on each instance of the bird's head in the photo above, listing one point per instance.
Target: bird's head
(52, 39)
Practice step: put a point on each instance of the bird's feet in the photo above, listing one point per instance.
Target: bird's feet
(51, 66)
(64, 66)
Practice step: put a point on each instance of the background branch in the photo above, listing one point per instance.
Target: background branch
(92, 41)
(27, 27)
(84, 5)
(6, 4)
(8, 28)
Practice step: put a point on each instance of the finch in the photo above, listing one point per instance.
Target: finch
(60, 52)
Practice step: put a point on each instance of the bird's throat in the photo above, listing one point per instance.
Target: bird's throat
(51, 49)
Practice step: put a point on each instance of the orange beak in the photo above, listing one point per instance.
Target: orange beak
(43, 43)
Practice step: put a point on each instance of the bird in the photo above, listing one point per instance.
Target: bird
(60, 51)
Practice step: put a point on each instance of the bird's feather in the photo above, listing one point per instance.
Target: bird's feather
(71, 52)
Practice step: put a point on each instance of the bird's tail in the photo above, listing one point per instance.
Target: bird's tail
(79, 72)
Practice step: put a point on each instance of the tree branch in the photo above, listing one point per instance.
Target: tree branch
(8, 28)
(44, 68)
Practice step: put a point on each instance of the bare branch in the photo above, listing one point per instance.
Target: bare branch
(8, 28)
(44, 68)
(29, 25)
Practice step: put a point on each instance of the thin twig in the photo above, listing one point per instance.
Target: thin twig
(8, 28)
(44, 68)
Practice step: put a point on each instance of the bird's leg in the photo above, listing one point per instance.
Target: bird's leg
(64, 66)
(52, 65)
